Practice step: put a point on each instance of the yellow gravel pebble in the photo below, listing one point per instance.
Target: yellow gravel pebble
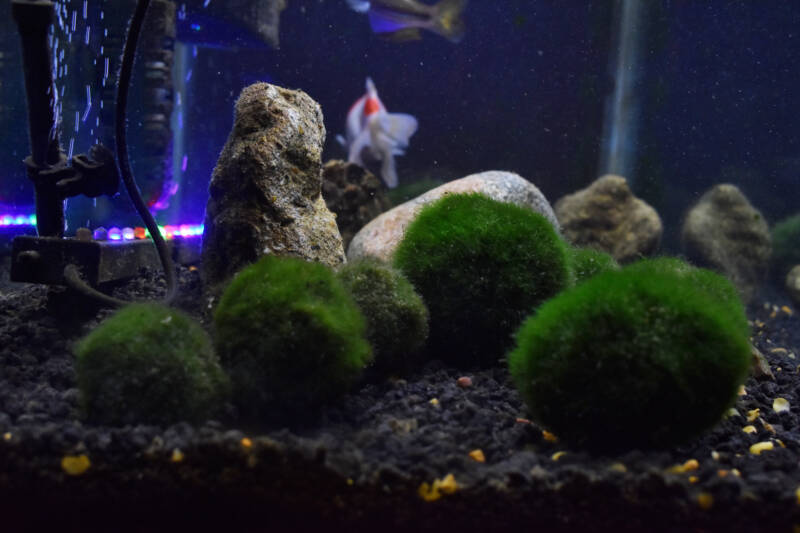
(759, 447)
(549, 437)
(767, 426)
(247, 443)
(749, 429)
(432, 492)
(780, 405)
(75, 465)
(693, 479)
(742, 390)
(558, 455)
(177, 456)
(7, 436)
(705, 500)
(434, 402)
(688, 466)
(753, 414)
(797, 495)
(477, 455)
(618, 467)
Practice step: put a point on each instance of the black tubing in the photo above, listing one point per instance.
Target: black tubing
(73, 279)
(124, 81)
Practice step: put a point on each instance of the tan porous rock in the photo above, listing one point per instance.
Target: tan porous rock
(724, 232)
(380, 237)
(793, 284)
(607, 216)
(265, 192)
(355, 194)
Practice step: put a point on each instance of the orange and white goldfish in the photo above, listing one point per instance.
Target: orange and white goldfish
(373, 135)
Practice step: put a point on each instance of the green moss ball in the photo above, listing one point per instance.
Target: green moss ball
(148, 364)
(629, 359)
(481, 266)
(717, 287)
(785, 246)
(397, 319)
(585, 263)
(290, 336)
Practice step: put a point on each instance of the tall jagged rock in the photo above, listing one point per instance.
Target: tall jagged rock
(265, 192)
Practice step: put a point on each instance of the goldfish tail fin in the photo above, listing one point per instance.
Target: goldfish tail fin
(447, 20)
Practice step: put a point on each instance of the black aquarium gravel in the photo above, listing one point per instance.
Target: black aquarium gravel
(441, 450)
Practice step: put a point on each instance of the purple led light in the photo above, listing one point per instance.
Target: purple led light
(115, 234)
(127, 234)
(100, 234)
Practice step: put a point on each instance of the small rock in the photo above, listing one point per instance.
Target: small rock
(793, 284)
(464, 382)
(760, 368)
(83, 234)
(354, 194)
(381, 236)
(607, 216)
(265, 192)
(724, 232)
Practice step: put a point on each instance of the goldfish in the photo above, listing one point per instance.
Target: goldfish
(373, 135)
(402, 20)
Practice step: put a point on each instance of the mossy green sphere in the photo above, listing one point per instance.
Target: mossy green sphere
(397, 319)
(785, 246)
(629, 359)
(290, 336)
(585, 263)
(149, 364)
(481, 267)
(718, 287)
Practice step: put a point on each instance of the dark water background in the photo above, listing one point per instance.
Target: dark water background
(525, 90)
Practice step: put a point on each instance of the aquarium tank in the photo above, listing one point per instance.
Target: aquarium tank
(427, 265)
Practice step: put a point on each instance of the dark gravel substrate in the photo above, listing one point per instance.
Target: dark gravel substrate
(362, 464)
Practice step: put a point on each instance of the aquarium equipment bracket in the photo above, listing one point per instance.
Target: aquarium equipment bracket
(49, 258)
(53, 176)
(42, 259)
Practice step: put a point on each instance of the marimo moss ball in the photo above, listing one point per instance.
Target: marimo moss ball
(717, 287)
(149, 364)
(630, 359)
(290, 336)
(397, 319)
(481, 267)
(585, 263)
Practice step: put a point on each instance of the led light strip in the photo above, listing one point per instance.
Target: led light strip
(131, 234)
(115, 234)
(17, 220)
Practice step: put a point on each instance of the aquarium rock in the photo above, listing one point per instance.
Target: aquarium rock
(265, 192)
(793, 284)
(724, 232)
(607, 216)
(354, 194)
(380, 237)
